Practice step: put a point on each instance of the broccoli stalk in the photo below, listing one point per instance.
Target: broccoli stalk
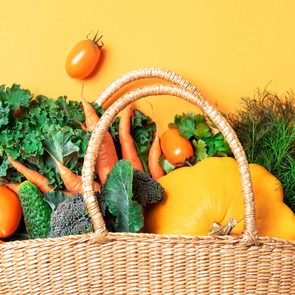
(36, 211)
(70, 218)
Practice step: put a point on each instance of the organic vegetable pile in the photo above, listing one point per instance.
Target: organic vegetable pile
(144, 182)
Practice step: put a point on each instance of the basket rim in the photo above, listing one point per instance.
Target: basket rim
(147, 238)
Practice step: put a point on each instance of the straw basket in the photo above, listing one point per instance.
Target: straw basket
(125, 263)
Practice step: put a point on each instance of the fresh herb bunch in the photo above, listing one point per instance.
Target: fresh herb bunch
(265, 125)
(195, 128)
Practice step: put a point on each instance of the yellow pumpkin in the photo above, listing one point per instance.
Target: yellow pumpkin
(211, 192)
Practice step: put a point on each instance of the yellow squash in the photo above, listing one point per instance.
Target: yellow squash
(211, 192)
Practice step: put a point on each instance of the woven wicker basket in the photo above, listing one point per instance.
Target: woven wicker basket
(124, 263)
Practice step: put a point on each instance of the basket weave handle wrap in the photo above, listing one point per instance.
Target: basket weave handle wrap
(250, 231)
(145, 74)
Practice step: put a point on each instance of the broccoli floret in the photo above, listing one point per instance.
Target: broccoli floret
(36, 211)
(146, 190)
(70, 218)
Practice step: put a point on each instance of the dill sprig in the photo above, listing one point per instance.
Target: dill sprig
(265, 125)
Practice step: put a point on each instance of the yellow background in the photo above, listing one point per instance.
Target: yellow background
(226, 48)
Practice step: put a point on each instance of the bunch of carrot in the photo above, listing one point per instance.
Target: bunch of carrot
(106, 159)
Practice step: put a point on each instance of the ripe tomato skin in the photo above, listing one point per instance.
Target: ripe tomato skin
(82, 59)
(175, 148)
(10, 212)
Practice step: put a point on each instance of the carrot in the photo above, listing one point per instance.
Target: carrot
(33, 176)
(83, 127)
(127, 143)
(154, 158)
(107, 156)
(13, 186)
(91, 118)
(72, 182)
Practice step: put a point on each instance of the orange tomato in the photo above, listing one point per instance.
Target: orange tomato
(175, 148)
(10, 212)
(83, 58)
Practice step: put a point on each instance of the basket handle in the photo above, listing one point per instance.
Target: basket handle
(250, 231)
(145, 74)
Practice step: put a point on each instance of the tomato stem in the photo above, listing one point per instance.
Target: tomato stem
(188, 163)
(87, 36)
(96, 39)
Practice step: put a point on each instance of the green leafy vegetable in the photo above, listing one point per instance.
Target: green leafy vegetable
(118, 197)
(4, 114)
(53, 198)
(59, 143)
(265, 125)
(190, 125)
(217, 146)
(166, 165)
(3, 166)
(202, 131)
(201, 149)
(143, 132)
(45, 124)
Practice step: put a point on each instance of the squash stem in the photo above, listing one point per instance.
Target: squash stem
(222, 230)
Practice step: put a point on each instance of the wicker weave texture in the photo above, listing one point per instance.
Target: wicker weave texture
(125, 263)
(147, 264)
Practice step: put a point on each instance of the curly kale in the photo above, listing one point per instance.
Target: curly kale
(70, 218)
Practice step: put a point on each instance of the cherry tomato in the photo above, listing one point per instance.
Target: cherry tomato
(10, 212)
(83, 58)
(175, 148)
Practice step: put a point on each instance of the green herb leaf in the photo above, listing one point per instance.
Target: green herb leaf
(185, 124)
(202, 131)
(166, 165)
(118, 197)
(200, 149)
(190, 126)
(217, 145)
